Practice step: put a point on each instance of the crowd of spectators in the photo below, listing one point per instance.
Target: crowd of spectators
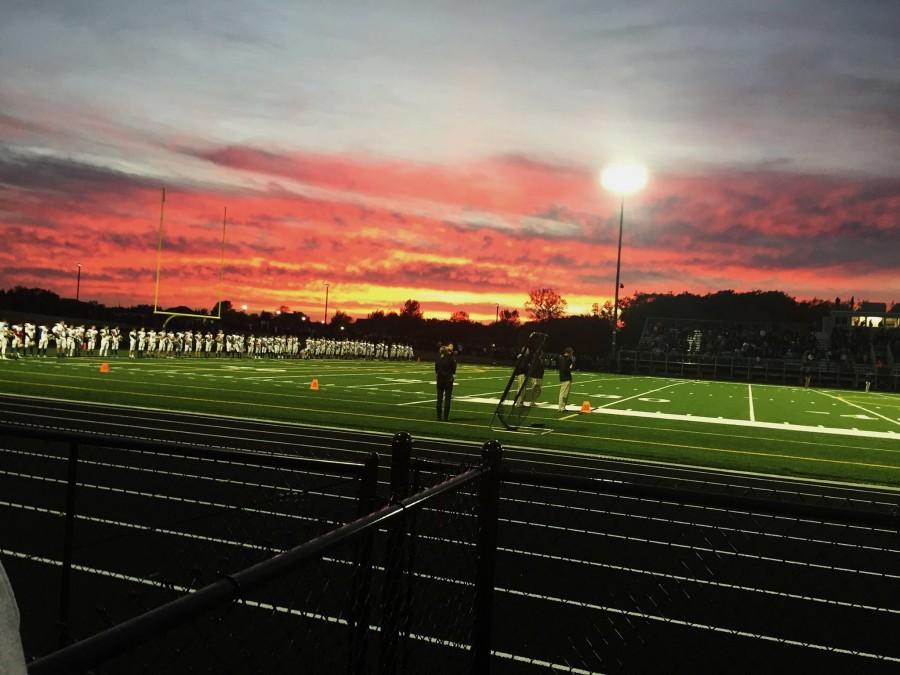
(857, 344)
(862, 344)
(727, 339)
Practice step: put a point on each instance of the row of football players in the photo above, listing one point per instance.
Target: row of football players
(319, 348)
(19, 339)
(27, 339)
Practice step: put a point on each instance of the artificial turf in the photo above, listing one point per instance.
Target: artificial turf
(839, 435)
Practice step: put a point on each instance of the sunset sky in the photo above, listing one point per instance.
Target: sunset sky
(448, 151)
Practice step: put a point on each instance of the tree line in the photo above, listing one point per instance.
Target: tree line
(589, 334)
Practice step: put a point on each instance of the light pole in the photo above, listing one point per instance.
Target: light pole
(497, 315)
(621, 179)
(326, 303)
(78, 283)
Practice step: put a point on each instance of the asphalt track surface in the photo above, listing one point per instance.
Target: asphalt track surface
(587, 580)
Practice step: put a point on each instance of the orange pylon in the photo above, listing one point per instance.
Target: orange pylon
(586, 407)
(314, 385)
(104, 367)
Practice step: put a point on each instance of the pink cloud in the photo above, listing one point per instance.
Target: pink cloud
(458, 237)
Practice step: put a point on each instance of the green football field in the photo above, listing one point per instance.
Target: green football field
(846, 436)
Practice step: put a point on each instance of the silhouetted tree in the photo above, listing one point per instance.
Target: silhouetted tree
(341, 319)
(510, 316)
(545, 303)
(412, 309)
(459, 316)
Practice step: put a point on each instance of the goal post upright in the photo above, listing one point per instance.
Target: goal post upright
(222, 262)
(159, 244)
(162, 206)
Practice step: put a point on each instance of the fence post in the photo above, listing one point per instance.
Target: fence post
(68, 540)
(392, 597)
(488, 514)
(401, 452)
(368, 485)
(362, 574)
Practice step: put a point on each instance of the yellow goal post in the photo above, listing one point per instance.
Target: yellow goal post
(159, 245)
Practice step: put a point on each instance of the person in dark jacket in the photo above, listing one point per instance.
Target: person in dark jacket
(565, 363)
(445, 373)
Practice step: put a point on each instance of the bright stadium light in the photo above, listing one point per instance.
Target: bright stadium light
(624, 179)
(621, 179)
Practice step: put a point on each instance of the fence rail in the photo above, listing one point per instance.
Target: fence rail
(188, 512)
(763, 369)
(491, 567)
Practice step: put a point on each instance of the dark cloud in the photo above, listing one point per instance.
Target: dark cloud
(562, 261)
(129, 240)
(853, 245)
(57, 174)
(12, 273)
(19, 236)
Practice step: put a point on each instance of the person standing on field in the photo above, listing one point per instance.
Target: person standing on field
(536, 373)
(445, 373)
(565, 363)
(521, 373)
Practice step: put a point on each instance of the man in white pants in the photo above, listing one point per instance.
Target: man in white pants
(104, 341)
(29, 339)
(43, 341)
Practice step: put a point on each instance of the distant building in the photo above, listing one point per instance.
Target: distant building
(872, 314)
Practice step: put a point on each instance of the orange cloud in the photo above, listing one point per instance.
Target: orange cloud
(453, 237)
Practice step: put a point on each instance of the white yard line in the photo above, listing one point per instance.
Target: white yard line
(652, 391)
(475, 396)
(843, 400)
(750, 397)
(785, 426)
(429, 400)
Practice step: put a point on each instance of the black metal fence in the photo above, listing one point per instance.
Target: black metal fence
(104, 529)
(390, 592)
(604, 575)
(497, 569)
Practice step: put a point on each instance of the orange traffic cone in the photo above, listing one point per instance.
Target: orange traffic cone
(314, 385)
(586, 407)
(104, 367)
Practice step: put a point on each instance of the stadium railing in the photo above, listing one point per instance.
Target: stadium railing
(496, 568)
(406, 588)
(628, 574)
(138, 522)
(761, 369)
